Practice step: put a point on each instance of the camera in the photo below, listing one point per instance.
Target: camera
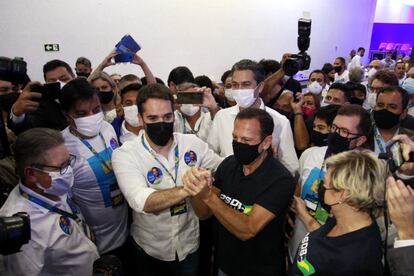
(14, 232)
(302, 60)
(13, 70)
(49, 91)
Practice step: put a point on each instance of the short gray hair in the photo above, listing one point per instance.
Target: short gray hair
(31, 145)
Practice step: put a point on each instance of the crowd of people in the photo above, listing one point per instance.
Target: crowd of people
(263, 176)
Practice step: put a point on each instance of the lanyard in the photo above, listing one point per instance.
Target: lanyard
(192, 131)
(46, 205)
(106, 164)
(176, 160)
(377, 138)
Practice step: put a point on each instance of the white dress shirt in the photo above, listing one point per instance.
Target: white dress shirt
(221, 135)
(58, 244)
(95, 190)
(201, 128)
(139, 174)
(355, 62)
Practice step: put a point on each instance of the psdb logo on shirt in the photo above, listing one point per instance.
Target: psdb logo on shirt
(154, 176)
(190, 158)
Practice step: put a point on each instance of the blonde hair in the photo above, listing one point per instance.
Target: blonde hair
(105, 77)
(362, 174)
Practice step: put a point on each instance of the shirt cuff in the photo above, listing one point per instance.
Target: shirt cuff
(403, 243)
(17, 119)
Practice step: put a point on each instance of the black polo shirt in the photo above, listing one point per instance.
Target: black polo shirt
(355, 253)
(271, 186)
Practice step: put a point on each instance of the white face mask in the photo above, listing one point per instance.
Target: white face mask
(189, 109)
(131, 115)
(244, 97)
(89, 126)
(324, 103)
(60, 183)
(315, 88)
(371, 73)
(228, 93)
(372, 100)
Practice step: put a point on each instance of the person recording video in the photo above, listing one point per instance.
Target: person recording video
(400, 200)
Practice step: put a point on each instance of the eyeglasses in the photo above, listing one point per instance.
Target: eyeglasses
(343, 131)
(62, 169)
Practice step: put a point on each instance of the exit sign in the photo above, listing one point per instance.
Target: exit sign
(51, 47)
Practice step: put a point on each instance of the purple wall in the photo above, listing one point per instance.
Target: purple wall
(388, 32)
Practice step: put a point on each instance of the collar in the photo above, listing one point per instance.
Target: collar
(39, 196)
(173, 145)
(124, 130)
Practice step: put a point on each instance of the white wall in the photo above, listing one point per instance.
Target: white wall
(208, 36)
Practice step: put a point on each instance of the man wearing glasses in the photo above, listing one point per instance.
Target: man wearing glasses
(350, 130)
(60, 241)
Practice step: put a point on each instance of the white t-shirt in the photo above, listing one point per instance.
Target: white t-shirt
(201, 129)
(221, 135)
(95, 189)
(355, 62)
(163, 236)
(343, 78)
(58, 244)
(310, 164)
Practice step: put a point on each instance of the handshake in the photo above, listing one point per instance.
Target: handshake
(198, 182)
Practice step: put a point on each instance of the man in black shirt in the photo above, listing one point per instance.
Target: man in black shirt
(30, 110)
(249, 200)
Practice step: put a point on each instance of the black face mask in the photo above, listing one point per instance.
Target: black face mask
(385, 119)
(319, 139)
(244, 153)
(357, 101)
(337, 143)
(332, 79)
(337, 69)
(81, 74)
(284, 113)
(7, 101)
(160, 133)
(106, 97)
(321, 196)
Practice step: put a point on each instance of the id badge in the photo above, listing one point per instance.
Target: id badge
(178, 209)
(311, 204)
(117, 198)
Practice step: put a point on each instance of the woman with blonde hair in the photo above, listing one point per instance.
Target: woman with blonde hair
(108, 94)
(350, 242)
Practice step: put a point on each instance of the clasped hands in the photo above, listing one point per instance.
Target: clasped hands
(198, 182)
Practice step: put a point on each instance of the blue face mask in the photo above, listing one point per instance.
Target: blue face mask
(408, 85)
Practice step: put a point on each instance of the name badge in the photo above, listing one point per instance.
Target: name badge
(178, 209)
(117, 198)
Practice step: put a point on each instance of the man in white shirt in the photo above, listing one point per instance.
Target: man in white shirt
(92, 140)
(247, 83)
(128, 126)
(399, 71)
(356, 60)
(341, 74)
(190, 118)
(149, 169)
(60, 242)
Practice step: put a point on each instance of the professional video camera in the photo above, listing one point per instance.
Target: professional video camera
(14, 232)
(13, 70)
(302, 60)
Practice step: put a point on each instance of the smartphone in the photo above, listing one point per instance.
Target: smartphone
(49, 91)
(394, 153)
(190, 97)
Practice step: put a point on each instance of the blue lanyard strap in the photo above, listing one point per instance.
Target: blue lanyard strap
(46, 205)
(176, 160)
(377, 138)
(107, 164)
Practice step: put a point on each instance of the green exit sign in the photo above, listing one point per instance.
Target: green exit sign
(51, 47)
